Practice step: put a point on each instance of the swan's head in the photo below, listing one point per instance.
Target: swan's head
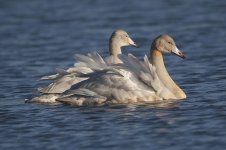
(165, 44)
(121, 38)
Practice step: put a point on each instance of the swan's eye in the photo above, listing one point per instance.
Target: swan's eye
(170, 43)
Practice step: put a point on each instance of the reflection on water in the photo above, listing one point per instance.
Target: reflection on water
(39, 36)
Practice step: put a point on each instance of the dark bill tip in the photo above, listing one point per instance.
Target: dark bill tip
(181, 55)
(135, 45)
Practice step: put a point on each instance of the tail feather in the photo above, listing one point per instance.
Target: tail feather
(50, 77)
(82, 97)
(46, 98)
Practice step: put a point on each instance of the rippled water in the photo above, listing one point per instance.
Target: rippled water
(38, 36)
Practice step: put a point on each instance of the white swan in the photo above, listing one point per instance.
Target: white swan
(64, 79)
(131, 82)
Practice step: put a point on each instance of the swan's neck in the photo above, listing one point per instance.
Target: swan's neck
(114, 48)
(157, 61)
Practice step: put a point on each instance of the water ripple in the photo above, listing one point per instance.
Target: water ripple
(39, 36)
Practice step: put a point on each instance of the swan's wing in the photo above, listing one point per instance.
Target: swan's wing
(81, 97)
(65, 82)
(131, 71)
(64, 79)
(117, 85)
(60, 73)
(50, 77)
(97, 59)
(72, 70)
(44, 98)
(79, 65)
(62, 82)
(144, 71)
(149, 76)
(61, 85)
(92, 61)
(112, 83)
(134, 64)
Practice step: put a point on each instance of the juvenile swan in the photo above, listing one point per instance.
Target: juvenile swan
(118, 39)
(131, 82)
(64, 79)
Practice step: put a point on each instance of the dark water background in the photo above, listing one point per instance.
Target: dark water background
(38, 36)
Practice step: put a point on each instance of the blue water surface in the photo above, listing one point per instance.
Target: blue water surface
(38, 36)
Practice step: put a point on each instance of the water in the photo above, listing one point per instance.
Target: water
(38, 36)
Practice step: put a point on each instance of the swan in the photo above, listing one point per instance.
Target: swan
(131, 82)
(64, 79)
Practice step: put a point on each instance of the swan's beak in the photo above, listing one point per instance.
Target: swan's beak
(177, 52)
(132, 43)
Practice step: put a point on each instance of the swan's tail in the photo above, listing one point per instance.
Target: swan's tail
(46, 98)
(81, 97)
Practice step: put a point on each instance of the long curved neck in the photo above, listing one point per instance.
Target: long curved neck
(157, 61)
(114, 47)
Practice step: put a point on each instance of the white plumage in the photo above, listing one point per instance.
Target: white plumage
(132, 81)
(64, 79)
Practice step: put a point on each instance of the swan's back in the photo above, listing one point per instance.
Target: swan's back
(64, 79)
(130, 82)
